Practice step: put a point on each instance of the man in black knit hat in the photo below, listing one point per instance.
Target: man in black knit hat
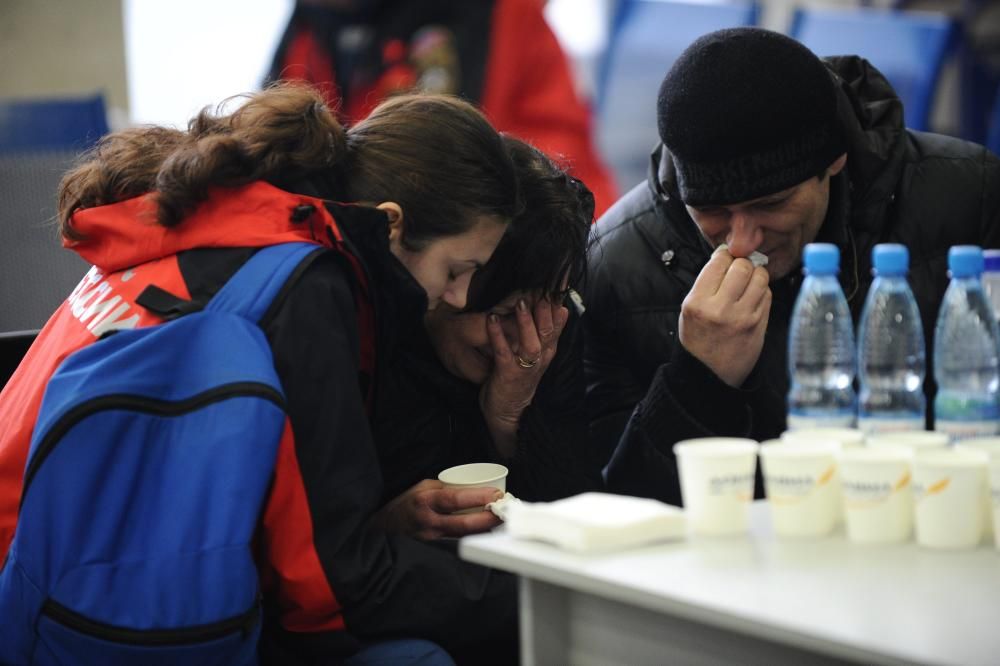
(765, 148)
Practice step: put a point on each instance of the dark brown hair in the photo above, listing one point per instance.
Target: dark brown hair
(436, 156)
(546, 242)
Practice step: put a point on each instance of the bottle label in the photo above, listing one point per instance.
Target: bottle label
(965, 429)
(800, 421)
(963, 416)
(876, 424)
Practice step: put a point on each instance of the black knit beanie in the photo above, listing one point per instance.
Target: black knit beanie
(747, 112)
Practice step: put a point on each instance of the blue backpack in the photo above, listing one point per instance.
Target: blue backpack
(149, 466)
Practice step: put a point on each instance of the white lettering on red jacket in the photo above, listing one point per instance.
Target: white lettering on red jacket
(95, 305)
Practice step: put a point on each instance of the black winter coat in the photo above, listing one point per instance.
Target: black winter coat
(645, 392)
(428, 420)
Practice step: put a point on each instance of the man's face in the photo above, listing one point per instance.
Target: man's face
(778, 225)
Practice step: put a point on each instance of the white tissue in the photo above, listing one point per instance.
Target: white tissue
(501, 508)
(756, 258)
(597, 522)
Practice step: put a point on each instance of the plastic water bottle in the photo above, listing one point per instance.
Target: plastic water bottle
(821, 346)
(965, 352)
(991, 279)
(891, 354)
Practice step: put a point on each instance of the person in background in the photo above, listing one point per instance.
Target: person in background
(500, 380)
(499, 54)
(765, 148)
(334, 586)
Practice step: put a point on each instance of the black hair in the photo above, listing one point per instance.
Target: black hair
(546, 241)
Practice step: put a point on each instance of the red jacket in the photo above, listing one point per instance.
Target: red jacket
(329, 580)
(508, 61)
(105, 301)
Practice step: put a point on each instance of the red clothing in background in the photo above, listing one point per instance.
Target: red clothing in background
(501, 55)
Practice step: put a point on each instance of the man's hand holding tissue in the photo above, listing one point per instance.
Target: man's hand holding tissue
(427, 511)
(724, 316)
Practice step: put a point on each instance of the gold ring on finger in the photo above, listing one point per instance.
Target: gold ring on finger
(526, 364)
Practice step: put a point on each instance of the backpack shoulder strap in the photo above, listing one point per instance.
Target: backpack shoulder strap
(256, 284)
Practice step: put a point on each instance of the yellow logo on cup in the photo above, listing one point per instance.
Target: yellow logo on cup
(938, 487)
(826, 476)
(902, 483)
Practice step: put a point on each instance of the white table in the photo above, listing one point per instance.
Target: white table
(754, 599)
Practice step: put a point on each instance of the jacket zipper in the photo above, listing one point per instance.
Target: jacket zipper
(244, 622)
(141, 404)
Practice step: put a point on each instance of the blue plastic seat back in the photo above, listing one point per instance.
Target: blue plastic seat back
(646, 39)
(39, 141)
(910, 48)
(58, 124)
(993, 130)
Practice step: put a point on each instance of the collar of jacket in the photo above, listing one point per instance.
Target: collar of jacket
(401, 300)
(125, 233)
(872, 115)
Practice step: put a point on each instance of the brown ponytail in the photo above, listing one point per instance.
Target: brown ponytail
(285, 132)
(436, 156)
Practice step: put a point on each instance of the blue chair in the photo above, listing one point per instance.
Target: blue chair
(39, 140)
(993, 133)
(908, 47)
(32, 126)
(646, 38)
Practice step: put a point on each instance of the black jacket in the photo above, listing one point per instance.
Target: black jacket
(429, 420)
(348, 583)
(645, 392)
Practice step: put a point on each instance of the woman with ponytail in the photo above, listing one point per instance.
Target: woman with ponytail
(410, 201)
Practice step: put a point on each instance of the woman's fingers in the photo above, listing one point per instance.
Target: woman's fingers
(501, 349)
(544, 321)
(529, 345)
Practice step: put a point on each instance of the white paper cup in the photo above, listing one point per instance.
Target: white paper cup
(847, 437)
(915, 440)
(717, 475)
(475, 475)
(995, 494)
(843, 438)
(801, 485)
(991, 445)
(877, 494)
(948, 489)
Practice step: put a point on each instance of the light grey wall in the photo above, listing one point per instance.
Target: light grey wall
(63, 47)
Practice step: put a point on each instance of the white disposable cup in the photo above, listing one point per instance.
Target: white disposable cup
(843, 438)
(995, 494)
(848, 437)
(717, 475)
(801, 485)
(475, 475)
(948, 489)
(877, 494)
(915, 440)
(991, 445)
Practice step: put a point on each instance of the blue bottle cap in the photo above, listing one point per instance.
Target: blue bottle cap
(965, 261)
(821, 259)
(992, 260)
(890, 259)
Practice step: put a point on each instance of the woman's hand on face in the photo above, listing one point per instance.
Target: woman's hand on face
(426, 510)
(517, 369)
